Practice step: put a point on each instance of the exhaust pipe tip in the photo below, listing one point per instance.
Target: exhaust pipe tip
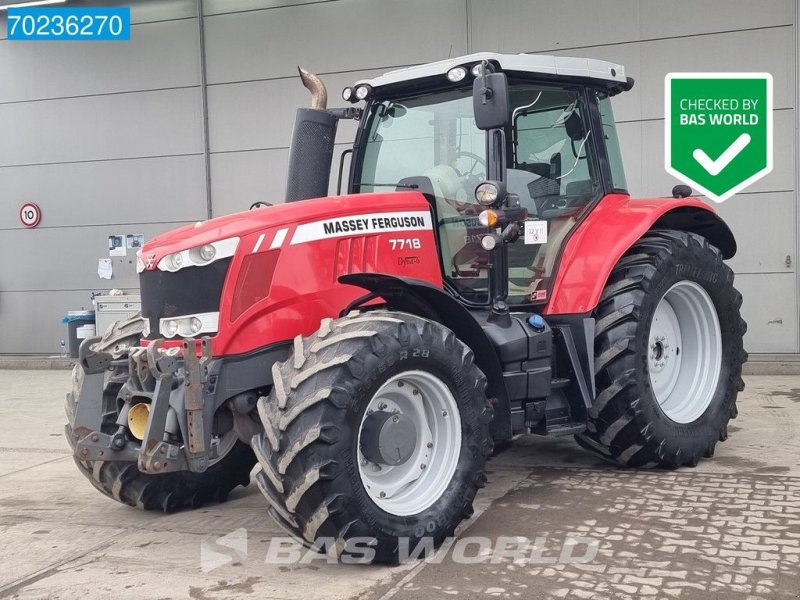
(319, 95)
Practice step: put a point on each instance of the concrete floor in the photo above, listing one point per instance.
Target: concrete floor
(728, 529)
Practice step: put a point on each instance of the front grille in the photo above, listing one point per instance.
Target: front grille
(189, 291)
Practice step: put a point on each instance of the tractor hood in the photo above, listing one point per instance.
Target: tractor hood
(242, 224)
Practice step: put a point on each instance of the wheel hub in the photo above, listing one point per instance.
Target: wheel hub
(388, 438)
(661, 351)
(409, 442)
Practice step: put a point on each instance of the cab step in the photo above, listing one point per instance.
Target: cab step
(562, 429)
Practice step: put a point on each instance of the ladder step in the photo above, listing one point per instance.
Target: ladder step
(566, 429)
(559, 382)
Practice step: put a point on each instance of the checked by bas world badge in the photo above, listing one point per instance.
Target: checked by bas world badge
(718, 130)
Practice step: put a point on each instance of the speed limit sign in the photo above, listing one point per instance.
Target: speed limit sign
(30, 214)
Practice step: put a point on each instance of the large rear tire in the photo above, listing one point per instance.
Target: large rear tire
(326, 482)
(668, 354)
(121, 480)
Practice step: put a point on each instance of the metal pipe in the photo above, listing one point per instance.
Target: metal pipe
(319, 95)
(312, 144)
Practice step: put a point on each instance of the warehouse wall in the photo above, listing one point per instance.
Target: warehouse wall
(652, 39)
(110, 137)
(106, 138)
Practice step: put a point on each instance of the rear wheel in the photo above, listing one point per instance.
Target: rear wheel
(121, 480)
(376, 430)
(668, 354)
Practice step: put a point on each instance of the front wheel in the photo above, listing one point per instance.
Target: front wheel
(376, 433)
(668, 354)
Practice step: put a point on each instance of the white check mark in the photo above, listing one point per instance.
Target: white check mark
(715, 166)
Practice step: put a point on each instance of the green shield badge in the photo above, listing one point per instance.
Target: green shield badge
(718, 130)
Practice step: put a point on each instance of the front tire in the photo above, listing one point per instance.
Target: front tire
(668, 354)
(313, 452)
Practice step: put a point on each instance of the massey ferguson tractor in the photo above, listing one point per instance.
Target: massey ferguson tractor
(486, 275)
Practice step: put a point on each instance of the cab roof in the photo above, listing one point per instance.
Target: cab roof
(602, 71)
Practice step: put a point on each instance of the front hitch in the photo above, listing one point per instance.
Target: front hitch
(161, 380)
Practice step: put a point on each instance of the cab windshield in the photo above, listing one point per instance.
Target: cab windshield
(551, 168)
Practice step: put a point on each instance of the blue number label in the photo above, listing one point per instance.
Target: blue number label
(101, 24)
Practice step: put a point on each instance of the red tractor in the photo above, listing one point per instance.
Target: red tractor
(486, 275)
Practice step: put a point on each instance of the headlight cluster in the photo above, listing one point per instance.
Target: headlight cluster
(355, 94)
(457, 74)
(189, 325)
(199, 256)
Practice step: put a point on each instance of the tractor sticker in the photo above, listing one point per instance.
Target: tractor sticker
(539, 295)
(718, 130)
(360, 224)
(535, 232)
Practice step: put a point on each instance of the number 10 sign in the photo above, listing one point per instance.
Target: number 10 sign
(30, 214)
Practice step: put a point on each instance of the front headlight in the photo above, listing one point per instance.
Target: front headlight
(487, 193)
(189, 325)
(207, 252)
(362, 92)
(199, 256)
(456, 74)
(169, 327)
(195, 325)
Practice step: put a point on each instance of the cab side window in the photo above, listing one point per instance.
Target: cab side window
(551, 146)
(553, 172)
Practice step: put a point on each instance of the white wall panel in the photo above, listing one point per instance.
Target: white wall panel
(531, 26)
(240, 178)
(770, 311)
(163, 55)
(108, 192)
(331, 37)
(260, 114)
(101, 127)
(217, 7)
(767, 50)
(65, 258)
(31, 321)
(692, 17)
(142, 11)
(764, 226)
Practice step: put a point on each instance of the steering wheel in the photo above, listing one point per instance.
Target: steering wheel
(476, 160)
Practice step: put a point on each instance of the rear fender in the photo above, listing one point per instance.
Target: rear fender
(430, 302)
(612, 227)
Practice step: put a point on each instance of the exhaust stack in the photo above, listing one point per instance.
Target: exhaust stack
(312, 144)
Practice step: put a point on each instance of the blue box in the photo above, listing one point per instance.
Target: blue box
(69, 24)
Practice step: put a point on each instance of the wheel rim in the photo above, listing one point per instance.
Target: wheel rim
(684, 354)
(414, 485)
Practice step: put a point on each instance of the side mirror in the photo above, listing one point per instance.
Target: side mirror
(490, 101)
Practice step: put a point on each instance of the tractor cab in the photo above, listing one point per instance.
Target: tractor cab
(540, 129)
